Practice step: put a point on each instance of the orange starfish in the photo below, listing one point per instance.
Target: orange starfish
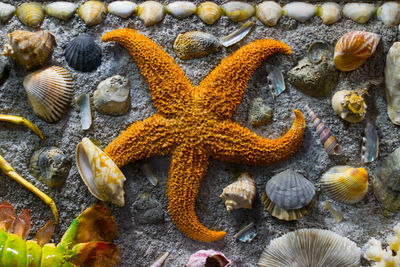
(194, 123)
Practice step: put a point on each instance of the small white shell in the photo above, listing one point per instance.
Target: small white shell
(92, 12)
(299, 11)
(30, 14)
(269, 12)
(209, 12)
(329, 12)
(238, 11)
(240, 194)
(181, 9)
(61, 10)
(122, 9)
(359, 12)
(151, 12)
(389, 13)
(6, 12)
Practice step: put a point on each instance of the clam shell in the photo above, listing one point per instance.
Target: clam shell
(389, 13)
(238, 11)
(100, 174)
(209, 12)
(329, 12)
(392, 83)
(359, 12)
(240, 194)
(83, 54)
(349, 105)
(151, 12)
(61, 10)
(49, 92)
(299, 11)
(209, 257)
(31, 14)
(6, 12)
(195, 44)
(122, 9)
(269, 12)
(92, 12)
(345, 184)
(181, 9)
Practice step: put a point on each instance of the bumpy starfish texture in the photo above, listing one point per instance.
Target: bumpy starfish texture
(193, 123)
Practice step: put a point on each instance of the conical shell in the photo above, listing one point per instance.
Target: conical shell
(122, 9)
(238, 11)
(269, 12)
(349, 105)
(181, 9)
(83, 54)
(29, 49)
(209, 12)
(353, 49)
(345, 184)
(92, 12)
(100, 174)
(389, 13)
(329, 12)
(61, 10)
(359, 12)
(31, 14)
(195, 44)
(6, 12)
(240, 194)
(151, 12)
(299, 11)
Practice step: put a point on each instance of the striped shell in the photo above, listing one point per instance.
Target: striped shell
(61, 10)
(389, 13)
(195, 44)
(345, 184)
(6, 11)
(329, 12)
(122, 9)
(83, 54)
(353, 49)
(92, 12)
(359, 12)
(209, 12)
(311, 248)
(151, 12)
(269, 12)
(299, 11)
(181, 9)
(350, 105)
(101, 175)
(238, 11)
(49, 92)
(31, 14)
(240, 194)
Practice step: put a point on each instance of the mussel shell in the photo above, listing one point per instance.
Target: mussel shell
(30, 14)
(83, 54)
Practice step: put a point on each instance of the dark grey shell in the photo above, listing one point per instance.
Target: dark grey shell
(83, 54)
(290, 190)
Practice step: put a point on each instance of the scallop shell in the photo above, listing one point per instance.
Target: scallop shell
(311, 248)
(181, 9)
(209, 257)
(151, 12)
(345, 184)
(370, 144)
(269, 12)
(329, 12)
(299, 11)
(238, 11)
(83, 54)
(92, 12)
(122, 9)
(49, 92)
(195, 44)
(29, 49)
(359, 12)
(61, 10)
(6, 12)
(100, 174)
(31, 14)
(389, 13)
(350, 105)
(209, 12)
(392, 83)
(240, 194)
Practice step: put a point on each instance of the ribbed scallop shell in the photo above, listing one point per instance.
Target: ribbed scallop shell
(181, 9)
(345, 184)
(359, 12)
(353, 49)
(30, 14)
(311, 248)
(83, 54)
(209, 12)
(195, 44)
(269, 12)
(49, 92)
(329, 12)
(299, 11)
(101, 175)
(151, 12)
(61, 10)
(92, 12)
(389, 13)
(6, 12)
(122, 9)
(238, 11)
(350, 105)
(240, 194)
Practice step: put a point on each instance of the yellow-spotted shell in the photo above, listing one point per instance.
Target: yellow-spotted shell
(353, 49)
(92, 12)
(345, 184)
(240, 194)
(209, 12)
(238, 11)
(101, 175)
(30, 14)
(350, 105)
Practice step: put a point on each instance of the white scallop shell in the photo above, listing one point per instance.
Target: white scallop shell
(238, 11)
(299, 11)
(269, 12)
(61, 10)
(359, 12)
(240, 194)
(122, 9)
(92, 12)
(181, 9)
(389, 13)
(329, 12)
(151, 12)
(6, 12)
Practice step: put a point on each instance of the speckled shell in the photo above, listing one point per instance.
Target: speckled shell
(211, 257)
(353, 49)
(61, 10)
(83, 54)
(359, 12)
(100, 174)
(389, 13)
(238, 11)
(392, 83)
(29, 49)
(6, 12)
(240, 194)
(345, 184)
(195, 44)
(329, 12)
(92, 12)
(269, 12)
(31, 14)
(209, 12)
(311, 248)
(299, 11)
(49, 92)
(349, 105)
(181, 9)
(151, 12)
(123, 9)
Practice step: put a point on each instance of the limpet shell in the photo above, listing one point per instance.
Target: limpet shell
(6, 11)
(203, 258)
(83, 54)
(151, 12)
(181, 9)
(269, 12)
(240, 194)
(389, 13)
(359, 12)
(299, 11)
(195, 44)
(61, 10)
(209, 12)
(31, 14)
(350, 105)
(92, 12)
(238, 11)
(329, 12)
(122, 9)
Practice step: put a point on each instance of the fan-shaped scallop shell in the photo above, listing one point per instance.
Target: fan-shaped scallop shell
(209, 12)
(345, 184)
(83, 54)
(181, 9)
(353, 49)
(92, 12)
(61, 10)
(151, 12)
(240, 194)
(311, 248)
(6, 12)
(269, 12)
(195, 44)
(101, 175)
(49, 92)
(329, 12)
(122, 9)
(31, 14)
(359, 12)
(238, 11)
(350, 105)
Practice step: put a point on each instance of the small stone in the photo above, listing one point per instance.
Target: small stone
(4, 70)
(112, 96)
(259, 112)
(147, 209)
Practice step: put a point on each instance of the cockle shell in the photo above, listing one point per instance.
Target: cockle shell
(238, 11)
(6, 12)
(269, 12)
(92, 12)
(311, 248)
(370, 144)
(151, 12)
(61, 10)
(329, 12)
(240, 194)
(31, 14)
(389, 13)
(350, 105)
(83, 54)
(29, 49)
(122, 9)
(353, 49)
(359, 12)
(299, 11)
(209, 12)
(195, 44)
(181, 9)
(49, 92)
(204, 258)
(100, 174)
(392, 83)
(345, 184)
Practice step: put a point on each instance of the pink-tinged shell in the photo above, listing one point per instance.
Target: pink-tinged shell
(199, 259)
(353, 49)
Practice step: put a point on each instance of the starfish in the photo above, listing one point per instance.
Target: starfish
(193, 123)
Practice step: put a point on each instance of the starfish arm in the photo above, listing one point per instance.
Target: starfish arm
(222, 89)
(231, 142)
(166, 80)
(142, 139)
(188, 166)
